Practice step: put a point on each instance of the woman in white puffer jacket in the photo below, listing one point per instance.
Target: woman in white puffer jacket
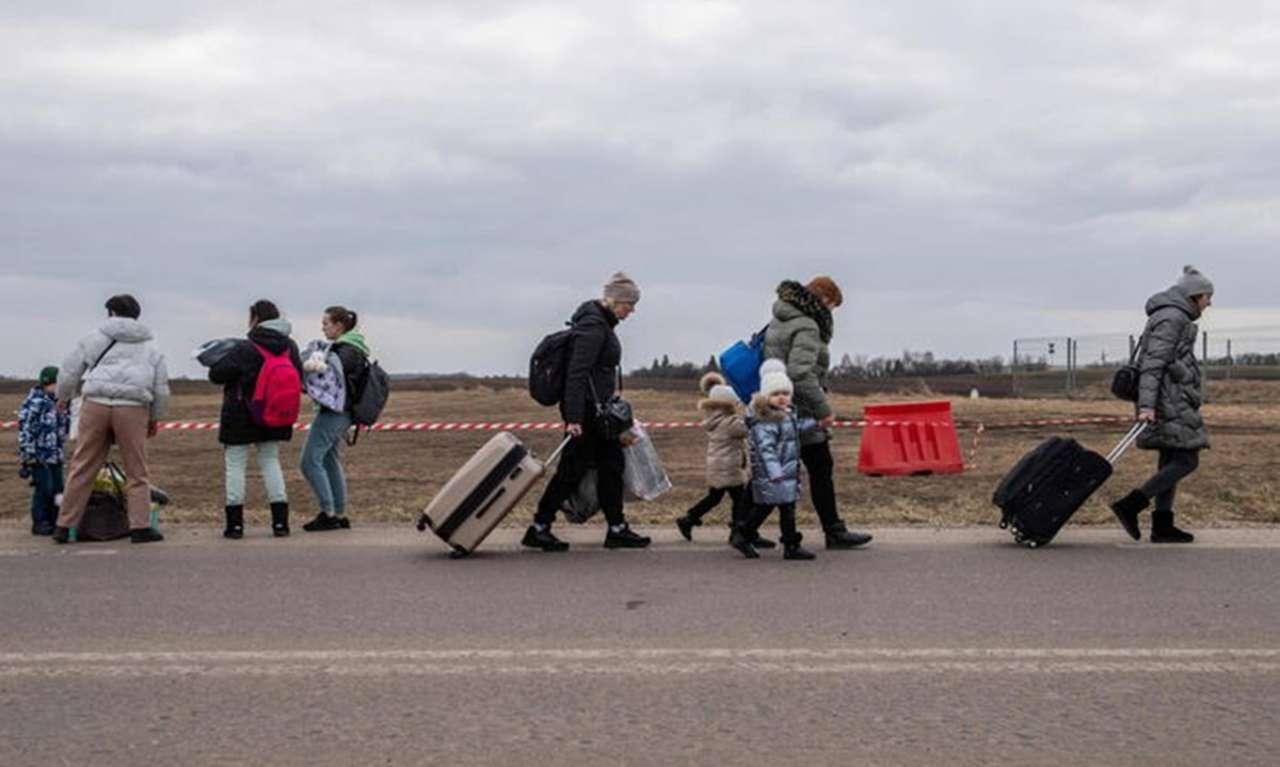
(125, 384)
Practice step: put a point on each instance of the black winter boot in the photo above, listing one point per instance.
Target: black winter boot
(1163, 531)
(686, 524)
(762, 543)
(791, 549)
(280, 519)
(235, 523)
(840, 537)
(61, 535)
(543, 539)
(1127, 509)
(741, 541)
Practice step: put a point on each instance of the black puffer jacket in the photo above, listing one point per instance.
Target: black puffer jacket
(238, 374)
(1171, 383)
(595, 356)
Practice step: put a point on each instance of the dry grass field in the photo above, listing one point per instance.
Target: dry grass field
(393, 475)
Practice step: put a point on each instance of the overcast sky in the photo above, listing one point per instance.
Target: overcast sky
(464, 173)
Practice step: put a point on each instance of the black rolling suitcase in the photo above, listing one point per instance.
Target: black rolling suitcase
(1038, 495)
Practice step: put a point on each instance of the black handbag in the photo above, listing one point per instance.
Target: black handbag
(613, 417)
(1124, 384)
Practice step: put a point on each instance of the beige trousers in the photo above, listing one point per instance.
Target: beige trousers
(100, 425)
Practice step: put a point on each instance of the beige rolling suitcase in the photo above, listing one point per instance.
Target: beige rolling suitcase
(483, 491)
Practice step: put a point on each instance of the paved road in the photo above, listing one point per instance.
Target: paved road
(370, 647)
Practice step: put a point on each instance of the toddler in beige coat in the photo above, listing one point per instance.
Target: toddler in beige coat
(728, 465)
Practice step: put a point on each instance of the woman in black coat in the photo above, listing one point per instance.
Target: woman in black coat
(239, 426)
(591, 377)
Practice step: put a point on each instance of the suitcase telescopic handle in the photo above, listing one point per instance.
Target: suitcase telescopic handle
(1129, 439)
(556, 453)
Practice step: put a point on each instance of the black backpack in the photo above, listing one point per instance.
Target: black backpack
(549, 366)
(369, 401)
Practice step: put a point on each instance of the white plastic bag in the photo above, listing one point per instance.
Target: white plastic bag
(644, 477)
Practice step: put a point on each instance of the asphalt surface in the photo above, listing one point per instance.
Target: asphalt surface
(371, 647)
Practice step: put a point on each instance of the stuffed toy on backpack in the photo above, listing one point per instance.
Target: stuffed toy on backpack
(322, 376)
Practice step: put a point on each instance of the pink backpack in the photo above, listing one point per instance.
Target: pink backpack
(277, 396)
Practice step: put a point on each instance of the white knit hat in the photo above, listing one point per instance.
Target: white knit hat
(724, 394)
(773, 378)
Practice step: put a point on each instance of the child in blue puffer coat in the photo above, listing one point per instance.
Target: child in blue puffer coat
(42, 439)
(775, 462)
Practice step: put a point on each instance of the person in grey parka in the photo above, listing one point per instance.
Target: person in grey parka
(800, 335)
(1170, 393)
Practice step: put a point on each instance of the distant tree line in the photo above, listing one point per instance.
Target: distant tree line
(664, 368)
(914, 365)
(1247, 360)
(859, 368)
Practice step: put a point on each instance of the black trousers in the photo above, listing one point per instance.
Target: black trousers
(739, 494)
(822, 485)
(590, 451)
(786, 520)
(1174, 466)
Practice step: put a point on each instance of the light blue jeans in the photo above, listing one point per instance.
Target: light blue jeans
(322, 461)
(236, 461)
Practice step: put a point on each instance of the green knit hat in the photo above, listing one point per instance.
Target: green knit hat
(48, 375)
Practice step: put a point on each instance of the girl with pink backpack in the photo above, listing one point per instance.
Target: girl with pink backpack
(261, 377)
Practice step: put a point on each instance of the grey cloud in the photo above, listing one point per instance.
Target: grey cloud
(470, 170)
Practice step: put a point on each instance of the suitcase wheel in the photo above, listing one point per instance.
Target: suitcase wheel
(1004, 524)
(459, 553)
(422, 522)
(1033, 544)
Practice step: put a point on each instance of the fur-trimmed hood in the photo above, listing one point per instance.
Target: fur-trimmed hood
(806, 302)
(719, 397)
(709, 382)
(711, 406)
(764, 411)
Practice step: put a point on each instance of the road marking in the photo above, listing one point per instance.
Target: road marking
(623, 668)
(588, 654)
(640, 662)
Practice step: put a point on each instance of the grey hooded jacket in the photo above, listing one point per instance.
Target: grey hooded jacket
(799, 335)
(133, 370)
(1171, 382)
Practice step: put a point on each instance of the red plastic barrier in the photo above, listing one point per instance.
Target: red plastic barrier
(910, 439)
